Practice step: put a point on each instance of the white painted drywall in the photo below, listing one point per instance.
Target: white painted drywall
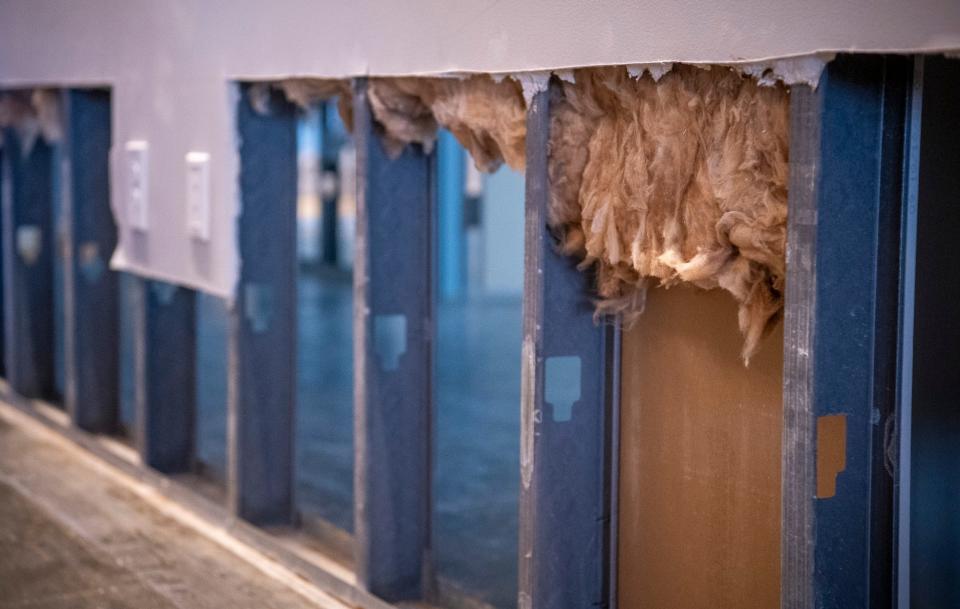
(170, 64)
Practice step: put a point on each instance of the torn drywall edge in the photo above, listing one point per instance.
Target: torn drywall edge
(532, 83)
(801, 69)
(805, 69)
(788, 76)
(304, 90)
(793, 69)
(656, 70)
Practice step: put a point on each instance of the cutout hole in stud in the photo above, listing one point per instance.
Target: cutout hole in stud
(389, 340)
(562, 385)
(831, 453)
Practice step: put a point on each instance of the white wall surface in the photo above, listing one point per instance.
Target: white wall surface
(170, 64)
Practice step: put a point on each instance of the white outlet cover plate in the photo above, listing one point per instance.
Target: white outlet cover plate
(138, 184)
(198, 195)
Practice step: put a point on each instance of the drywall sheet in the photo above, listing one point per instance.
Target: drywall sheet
(700, 458)
(170, 64)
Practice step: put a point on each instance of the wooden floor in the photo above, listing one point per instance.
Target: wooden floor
(72, 535)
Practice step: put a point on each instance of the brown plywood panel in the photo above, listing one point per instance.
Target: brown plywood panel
(700, 459)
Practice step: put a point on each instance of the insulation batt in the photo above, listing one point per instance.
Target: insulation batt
(307, 91)
(486, 116)
(679, 179)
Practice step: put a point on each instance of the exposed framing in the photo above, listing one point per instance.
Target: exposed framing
(28, 244)
(566, 488)
(164, 374)
(842, 294)
(91, 315)
(261, 362)
(393, 362)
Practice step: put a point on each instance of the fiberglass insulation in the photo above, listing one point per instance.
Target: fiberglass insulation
(487, 117)
(679, 179)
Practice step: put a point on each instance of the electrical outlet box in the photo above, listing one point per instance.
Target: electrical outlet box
(198, 195)
(138, 184)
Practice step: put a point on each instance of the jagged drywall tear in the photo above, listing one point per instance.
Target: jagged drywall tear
(674, 175)
(683, 179)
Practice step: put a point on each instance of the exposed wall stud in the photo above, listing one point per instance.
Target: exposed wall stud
(565, 458)
(847, 139)
(393, 334)
(91, 318)
(261, 385)
(164, 374)
(28, 265)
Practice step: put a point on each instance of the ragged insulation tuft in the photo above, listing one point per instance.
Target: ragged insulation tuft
(305, 92)
(679, 180)
(486, 116)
